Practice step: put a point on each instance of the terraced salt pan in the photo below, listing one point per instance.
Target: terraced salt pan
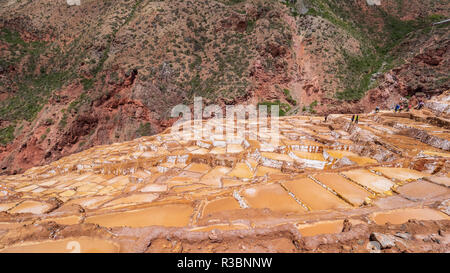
(91, 202)
(314, 195)
(340, 154)
(201, 151)
(170, 215)
(271, 196)
(372, 181)
(241, 170)
(74, 245)
(353, 193)
(310, 160)
(409, 146)
(65, 220)
(7, 206)
(181, 180)
(401, 174)
(309, 146)
(198, 167)
(435, 153)
(30, 206)
(213, 178)
(362, 161)
(187, 188)
(263, 170)
(422, 190)
(441, 180)
(132, 199)
(222, 204)
(234, 148)
(154, 188)
(308, 156)
(227, 182)
(218, 151)
(401, 216)
(133, 173)
(275, 160)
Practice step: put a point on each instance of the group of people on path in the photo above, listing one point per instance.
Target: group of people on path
(408, 106)
(397, 109)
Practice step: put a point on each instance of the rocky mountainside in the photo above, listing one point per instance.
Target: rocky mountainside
(74, 76)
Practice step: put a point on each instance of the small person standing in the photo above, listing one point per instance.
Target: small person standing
(421, 104)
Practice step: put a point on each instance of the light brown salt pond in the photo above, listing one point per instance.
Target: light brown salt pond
(401, 216)
(7, 206)
(234, 148)
(340, 154)
(433, 153)
(90, 202)
(181, 180)
(187, 188)
(251, 162)
(27, 188)
(241, 170)
(218, 151)
(411, 147)
(201, 151)
(30, 206)
(227, 182)
(75, 245)
(372, 181)
(392, 202)
(345, 188)
(213, 178)
(422, 190)
(13, 225)
(308, 155)
(198, 167)
(313, 195)
(170, 215)
(401, 174)
(441, 180)
(291, 143)
(65, 220)
(271, 196)
(132, 199)
(325, 138)
(263, 170)
(276, 156)
(222, 204)
(362, 161)
(154, 188)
